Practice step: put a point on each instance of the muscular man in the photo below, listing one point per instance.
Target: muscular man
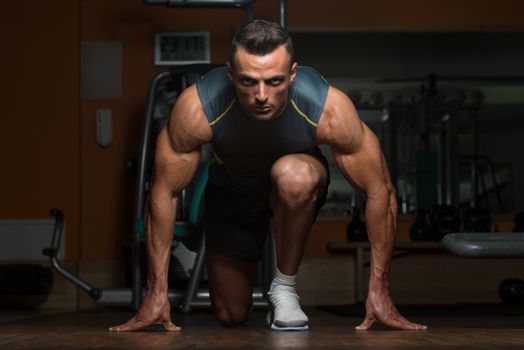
(265, 117)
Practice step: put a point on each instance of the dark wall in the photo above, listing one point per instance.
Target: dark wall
(48, 148)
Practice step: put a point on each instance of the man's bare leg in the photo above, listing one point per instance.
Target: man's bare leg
(230, 288)
(299, 180)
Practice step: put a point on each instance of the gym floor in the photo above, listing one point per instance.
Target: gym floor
(88, 330)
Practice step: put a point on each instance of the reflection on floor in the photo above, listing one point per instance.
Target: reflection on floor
(14, 315)
(88, 330)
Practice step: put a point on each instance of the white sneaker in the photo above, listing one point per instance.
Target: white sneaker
(285, 313)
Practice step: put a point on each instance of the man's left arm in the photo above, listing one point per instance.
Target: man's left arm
(357, 152)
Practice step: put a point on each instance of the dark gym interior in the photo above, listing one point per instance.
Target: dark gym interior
(85, 91)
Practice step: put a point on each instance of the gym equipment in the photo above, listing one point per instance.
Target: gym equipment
(246, 5)
(160, 99)
(481, 167)
(420, 230)
(511, 291)
(121, 297)
(160, 90)
(201, 3)
(356, 229)
(488, 245)
(188, 216)
(426, 179)
(485, 244)
(268, 262)
(476, 219)
(185, 257)
(444, 219)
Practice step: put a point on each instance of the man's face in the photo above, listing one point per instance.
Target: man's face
(262, 82)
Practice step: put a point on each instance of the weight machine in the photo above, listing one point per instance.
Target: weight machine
(162, 93)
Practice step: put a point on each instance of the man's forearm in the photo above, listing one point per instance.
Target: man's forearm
(380, 227)
(160, 222)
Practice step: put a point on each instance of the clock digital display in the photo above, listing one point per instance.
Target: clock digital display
(182, 48)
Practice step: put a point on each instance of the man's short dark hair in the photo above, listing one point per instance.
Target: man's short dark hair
(260, 37)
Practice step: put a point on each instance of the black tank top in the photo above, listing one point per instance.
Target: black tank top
(244, 149)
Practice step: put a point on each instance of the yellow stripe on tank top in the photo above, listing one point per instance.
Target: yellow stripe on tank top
(223, 114)
(302, 114)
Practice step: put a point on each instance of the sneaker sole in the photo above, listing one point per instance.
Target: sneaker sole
(286, 329)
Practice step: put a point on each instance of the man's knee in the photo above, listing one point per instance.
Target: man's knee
(231, 316)
(295, 181)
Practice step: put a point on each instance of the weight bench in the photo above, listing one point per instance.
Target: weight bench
(485, 244)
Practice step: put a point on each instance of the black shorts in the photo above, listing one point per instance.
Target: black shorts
(237, 222)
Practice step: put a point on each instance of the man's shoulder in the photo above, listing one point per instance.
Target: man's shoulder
(215, 92)
(310, 75)
(309, 84)
(309, 92)
(216, 73)
(214, 79)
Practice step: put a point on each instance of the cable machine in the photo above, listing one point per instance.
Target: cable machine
(182, 76)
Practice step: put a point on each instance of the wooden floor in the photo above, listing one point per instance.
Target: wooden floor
(88, 330)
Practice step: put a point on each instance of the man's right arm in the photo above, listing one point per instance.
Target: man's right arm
(176, 160)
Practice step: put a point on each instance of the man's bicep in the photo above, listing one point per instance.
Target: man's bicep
(363, 166)
(173, 168)
(340, 126)
(188, 127)
(178, 145)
